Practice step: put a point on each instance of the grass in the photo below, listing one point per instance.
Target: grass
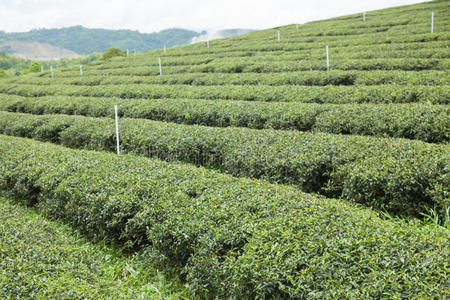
(43, 259)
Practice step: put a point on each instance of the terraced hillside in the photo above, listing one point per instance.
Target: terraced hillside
(364, 135)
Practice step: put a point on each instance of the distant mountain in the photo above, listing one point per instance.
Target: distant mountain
(83, 40)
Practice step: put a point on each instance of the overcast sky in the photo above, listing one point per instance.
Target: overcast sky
(151, 16)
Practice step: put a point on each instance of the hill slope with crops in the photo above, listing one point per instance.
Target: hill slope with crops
(292, 162)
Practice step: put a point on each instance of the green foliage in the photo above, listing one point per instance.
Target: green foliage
(3, 74)
(44, 259)
(375, 172)
(432, 217)
(10, 62)
(35, 67)
(112, 52)
(230, 237)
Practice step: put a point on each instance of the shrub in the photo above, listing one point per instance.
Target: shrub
(112, 52)
(35, 67)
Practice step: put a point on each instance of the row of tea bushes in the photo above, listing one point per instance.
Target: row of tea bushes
(321, 78)
(403, 177)
(283, 93)
(414, 121)
(229, 237)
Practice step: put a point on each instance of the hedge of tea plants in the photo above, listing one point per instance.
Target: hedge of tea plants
(229, 237)
(414, 121)
(400, 176)
(283, 93)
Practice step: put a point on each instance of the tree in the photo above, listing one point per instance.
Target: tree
(111, 52)
(35, 67)
(3, 74)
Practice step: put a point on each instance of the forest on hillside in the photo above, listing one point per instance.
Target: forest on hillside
(84, 40)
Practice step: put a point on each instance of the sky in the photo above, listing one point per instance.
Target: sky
(150, 16)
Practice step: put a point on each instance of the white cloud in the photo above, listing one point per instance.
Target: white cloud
(150, 16)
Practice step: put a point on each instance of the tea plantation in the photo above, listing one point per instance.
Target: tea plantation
(250, 168)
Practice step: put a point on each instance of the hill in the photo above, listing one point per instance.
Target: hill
(36, 51)
(86, 40)
(15, 66)
(304, 161)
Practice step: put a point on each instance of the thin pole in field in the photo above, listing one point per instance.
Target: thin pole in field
(127, 52)
(42, 69)
(278, 33)
(328, 59)
(51, 71)
(160, 68)
(432, 22)
(207, 44)
(117, 128)
(296, 26)
(165, 48)
(134, 50)
(81, 70)
(364, 16)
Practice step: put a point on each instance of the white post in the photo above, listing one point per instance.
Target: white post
(42, 69)
(296, 26)
(51, 71)
(207, 44)
(127, 52)
(117, 128)
(328, 59)
(164, 48)
(160, 68)
(432, 22)
(278, 33)
(81, 70)
(364, 16)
